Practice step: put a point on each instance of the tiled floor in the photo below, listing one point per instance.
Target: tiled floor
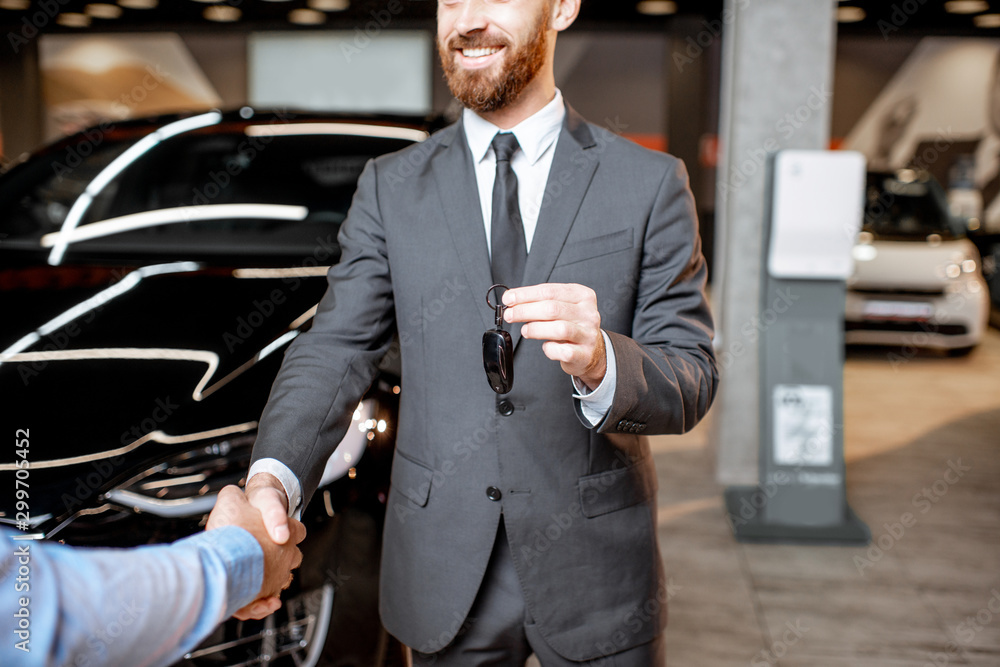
(929, 596)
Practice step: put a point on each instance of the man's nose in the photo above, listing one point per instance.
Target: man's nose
(473, 17)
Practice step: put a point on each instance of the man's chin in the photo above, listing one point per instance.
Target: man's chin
(472, 85)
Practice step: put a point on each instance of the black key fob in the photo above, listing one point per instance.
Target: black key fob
(498, 350)
(498, 360)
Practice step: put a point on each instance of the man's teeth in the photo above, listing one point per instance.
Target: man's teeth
(480, 53)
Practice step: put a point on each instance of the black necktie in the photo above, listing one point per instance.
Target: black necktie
(507, 233)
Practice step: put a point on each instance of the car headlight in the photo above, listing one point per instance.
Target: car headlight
(864, 252)
(960, 265)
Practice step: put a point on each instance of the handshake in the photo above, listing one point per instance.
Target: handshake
(233, 509)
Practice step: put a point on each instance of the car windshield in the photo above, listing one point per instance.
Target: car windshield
(907, 209)
(217, 190)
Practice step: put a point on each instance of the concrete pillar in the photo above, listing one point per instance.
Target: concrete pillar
(777, 82)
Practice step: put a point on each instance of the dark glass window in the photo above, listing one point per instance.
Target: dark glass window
(209, 169)
(907, 209)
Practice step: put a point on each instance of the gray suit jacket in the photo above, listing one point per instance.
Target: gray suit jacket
(579, 503)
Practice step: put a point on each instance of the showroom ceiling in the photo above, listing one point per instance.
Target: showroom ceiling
(880, 17)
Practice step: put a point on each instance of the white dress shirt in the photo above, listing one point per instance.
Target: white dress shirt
(537, 137)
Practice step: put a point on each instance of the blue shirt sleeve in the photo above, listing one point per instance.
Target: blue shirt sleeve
(136, 607)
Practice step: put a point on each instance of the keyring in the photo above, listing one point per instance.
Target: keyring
(498, 350)
(498, 307)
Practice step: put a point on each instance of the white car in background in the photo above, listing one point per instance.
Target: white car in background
(917, 280)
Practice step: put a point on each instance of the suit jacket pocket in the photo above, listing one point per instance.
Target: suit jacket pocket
(412, 479)
(597, 246)
(617, 489)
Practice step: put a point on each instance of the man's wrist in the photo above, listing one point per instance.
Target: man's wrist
(289, 482)
(594, 375)
(265, 480)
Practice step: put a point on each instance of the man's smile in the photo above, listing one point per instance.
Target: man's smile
(472, 58)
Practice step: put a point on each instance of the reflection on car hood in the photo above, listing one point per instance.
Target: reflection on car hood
(900, 265)
(177, 353)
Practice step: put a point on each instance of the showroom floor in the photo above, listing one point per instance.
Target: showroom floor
(930, 596)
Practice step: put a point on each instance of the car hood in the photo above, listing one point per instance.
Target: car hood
(907, 266)
(129, 369)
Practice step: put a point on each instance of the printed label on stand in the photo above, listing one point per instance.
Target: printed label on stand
(803, 425)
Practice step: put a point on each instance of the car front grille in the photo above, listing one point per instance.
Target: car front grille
(908, 327)
(293, 636)
(898, 293)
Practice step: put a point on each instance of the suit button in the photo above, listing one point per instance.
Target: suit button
(493, 493)
(506, 409)
(621, 425)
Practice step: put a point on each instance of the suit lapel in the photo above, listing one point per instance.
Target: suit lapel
(573, 167)
(455, 174)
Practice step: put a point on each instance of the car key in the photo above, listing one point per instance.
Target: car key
(498, 350)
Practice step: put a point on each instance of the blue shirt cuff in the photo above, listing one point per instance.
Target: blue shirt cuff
(235, 555)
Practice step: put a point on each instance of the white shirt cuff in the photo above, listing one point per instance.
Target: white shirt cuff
(293, 491)
(595, 404)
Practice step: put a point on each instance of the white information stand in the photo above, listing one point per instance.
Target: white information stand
(815, 212)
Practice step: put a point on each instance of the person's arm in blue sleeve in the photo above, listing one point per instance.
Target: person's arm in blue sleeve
(142, 606)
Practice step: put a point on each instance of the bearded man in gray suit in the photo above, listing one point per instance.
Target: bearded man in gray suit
(522, 522)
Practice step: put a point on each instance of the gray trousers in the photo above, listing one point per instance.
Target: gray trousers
(500, 632)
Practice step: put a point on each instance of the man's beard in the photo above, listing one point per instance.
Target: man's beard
(478, 89)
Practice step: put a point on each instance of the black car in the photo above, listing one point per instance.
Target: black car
(152, 272)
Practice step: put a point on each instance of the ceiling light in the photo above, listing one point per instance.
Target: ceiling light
(656, 7)
(306, 17)
(102, 10)
(15, 4)
(222, 13)
(966, 6)
(329, 5)
(138, 4)
(987, 20)
(73, 20)
(850, 14)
